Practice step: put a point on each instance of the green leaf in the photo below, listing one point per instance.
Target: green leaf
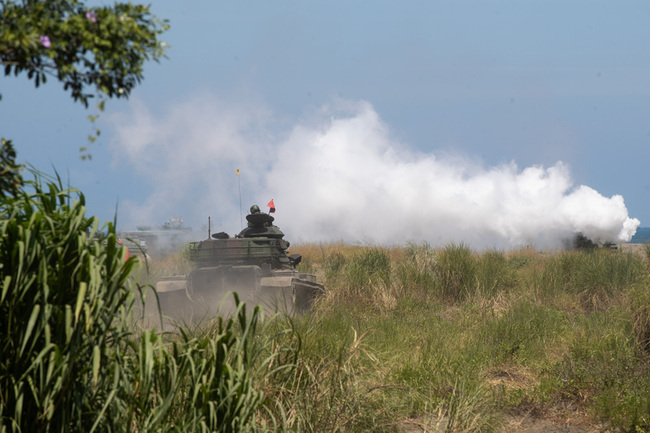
(30, 327)
(96, 363)
(83, 286)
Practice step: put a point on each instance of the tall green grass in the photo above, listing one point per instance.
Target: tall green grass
(70, 360)
(63, 305)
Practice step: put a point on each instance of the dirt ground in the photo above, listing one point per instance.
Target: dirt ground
(522, 423)
(531, 424)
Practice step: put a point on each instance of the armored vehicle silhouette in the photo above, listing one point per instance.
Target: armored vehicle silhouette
(254, 263)
(158, 241)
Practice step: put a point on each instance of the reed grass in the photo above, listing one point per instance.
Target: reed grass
(64, 298)
(70, 359)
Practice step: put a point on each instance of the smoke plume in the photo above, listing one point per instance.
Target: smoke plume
(340, 176)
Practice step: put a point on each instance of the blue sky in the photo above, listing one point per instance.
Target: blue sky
(495, 122)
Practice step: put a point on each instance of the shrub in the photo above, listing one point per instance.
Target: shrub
(456, 272)
(416, 273)
(68, 360)
(63, 309)
(494, 273)
(640, 310)
(201, 382)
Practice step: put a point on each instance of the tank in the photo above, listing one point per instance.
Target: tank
(156, 242)
(254, 263)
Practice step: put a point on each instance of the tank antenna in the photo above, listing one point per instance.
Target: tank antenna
(241, 218)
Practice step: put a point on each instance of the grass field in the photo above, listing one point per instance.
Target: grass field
(421, 339)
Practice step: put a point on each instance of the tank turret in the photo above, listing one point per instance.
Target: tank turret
(158, 241)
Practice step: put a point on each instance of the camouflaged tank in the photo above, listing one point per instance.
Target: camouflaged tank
(254, 263)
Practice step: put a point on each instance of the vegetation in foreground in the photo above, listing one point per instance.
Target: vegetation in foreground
(71, 359)
(405, 339)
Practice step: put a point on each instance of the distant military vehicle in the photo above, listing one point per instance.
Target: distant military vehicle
(158, 241)
(582, 242)
(254, 263)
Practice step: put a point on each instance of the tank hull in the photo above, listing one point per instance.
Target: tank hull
(207, 292)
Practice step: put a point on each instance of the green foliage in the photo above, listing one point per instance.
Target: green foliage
(495, 273)
(418, 270)
(372, 266)
(640, 312)
(68, 359)
(10, 177)
(469, 408)
(603, 370)
(202, 382)
(334, 266)
(457, 272)
(326, 392)
(101, 47)
(365, 274)
(63, 311)
(523, 332)
(594, 275)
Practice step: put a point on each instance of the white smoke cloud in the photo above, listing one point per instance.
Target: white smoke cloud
(342, 177)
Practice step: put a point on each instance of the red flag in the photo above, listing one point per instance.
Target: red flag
(272, 206)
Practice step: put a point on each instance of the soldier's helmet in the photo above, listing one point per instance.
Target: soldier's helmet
(255, 209)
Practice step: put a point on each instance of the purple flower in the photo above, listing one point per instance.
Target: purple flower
(91, 16)
(45, 41)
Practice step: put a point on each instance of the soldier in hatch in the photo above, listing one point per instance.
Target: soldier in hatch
(257, 218)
